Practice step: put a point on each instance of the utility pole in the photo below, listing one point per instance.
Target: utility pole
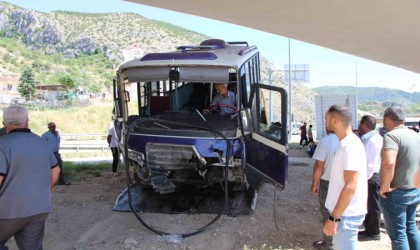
(270, 80)
(371, 99)
(411, 90)
(290, 98)
(357, 93)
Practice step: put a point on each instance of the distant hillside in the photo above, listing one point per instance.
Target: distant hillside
(88, 47)
(73, 33)
(369, 94)
(376, 99)
(91, 71)
(40, 40)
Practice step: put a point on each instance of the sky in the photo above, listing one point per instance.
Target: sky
(327, 67)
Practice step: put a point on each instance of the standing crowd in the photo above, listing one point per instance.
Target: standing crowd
(358, 175)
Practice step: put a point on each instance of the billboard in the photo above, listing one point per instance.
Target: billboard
(298, 73)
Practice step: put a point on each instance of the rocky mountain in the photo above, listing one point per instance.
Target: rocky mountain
(72, 43)
(72, 33)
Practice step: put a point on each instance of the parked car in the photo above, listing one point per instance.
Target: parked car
(296, 128)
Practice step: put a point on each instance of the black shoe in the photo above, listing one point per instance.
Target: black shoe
(321, 245)
(64, 183)
(365, 236)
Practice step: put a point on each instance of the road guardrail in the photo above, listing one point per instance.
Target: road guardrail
(85, 136)
(83, 142)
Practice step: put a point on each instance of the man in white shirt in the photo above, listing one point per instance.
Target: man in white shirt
(347, 190)
(310, 135)
(113, 145)
(373, 147)
(323, 155)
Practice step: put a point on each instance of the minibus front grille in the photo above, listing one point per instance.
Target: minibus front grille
(163, 158)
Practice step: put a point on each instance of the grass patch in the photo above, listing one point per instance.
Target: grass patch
(74, 120)
(75, 172)
(95, 154)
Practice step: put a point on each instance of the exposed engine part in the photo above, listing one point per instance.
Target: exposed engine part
(162, 184)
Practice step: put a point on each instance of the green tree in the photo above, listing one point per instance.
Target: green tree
(97, 51)
(94, 87)
(67, 81)
(26, 87)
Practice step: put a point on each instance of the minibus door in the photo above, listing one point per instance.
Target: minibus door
(117, 111)
(266, 144)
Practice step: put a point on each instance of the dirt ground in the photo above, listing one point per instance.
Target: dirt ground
(82, 218)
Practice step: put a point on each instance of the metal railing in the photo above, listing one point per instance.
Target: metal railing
(85, 136)
(83, 142)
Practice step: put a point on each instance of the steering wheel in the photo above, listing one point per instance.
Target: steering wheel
(215, 108)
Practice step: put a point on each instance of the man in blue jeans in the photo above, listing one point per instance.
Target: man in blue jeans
(398, 196)
(347, 190)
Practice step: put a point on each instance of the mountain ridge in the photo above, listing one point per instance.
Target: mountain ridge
(53, 43)
(89, 46)
(372, 94)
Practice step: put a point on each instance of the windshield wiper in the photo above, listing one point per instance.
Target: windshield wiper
(161, 125)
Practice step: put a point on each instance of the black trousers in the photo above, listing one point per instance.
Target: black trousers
(28, 231)
(323, 192)
(373, 216)
(61, 179)
(115, 159)
(303, 138)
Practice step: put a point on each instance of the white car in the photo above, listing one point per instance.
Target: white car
(296, 128)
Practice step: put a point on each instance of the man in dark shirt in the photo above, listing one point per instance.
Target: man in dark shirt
(28, 170)
(399, 196)
(303, 136)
